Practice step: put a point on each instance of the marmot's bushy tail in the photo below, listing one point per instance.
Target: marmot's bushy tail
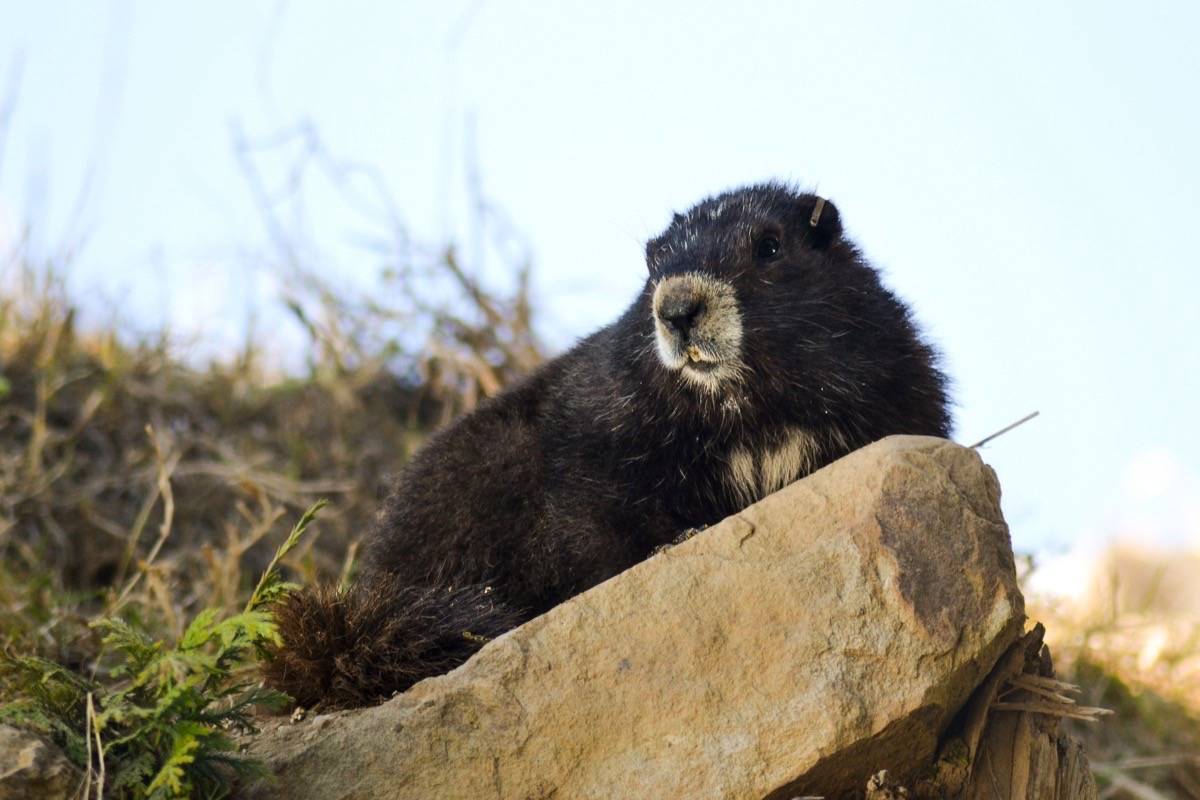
(354, 647)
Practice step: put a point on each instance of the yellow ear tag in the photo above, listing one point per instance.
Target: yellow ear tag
(816, 215)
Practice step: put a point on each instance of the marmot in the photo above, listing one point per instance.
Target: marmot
(762, 347)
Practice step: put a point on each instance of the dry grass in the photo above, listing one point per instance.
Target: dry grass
(1132, 643)
(132, 480)
(141, 495)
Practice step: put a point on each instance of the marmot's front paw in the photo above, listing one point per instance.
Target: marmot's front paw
(680, 539)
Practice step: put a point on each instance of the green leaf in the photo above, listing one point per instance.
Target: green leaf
(199, 631)
(270, 576)
(171, 780)
(132, 773)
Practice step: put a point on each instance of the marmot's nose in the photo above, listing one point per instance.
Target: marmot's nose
(680, 313)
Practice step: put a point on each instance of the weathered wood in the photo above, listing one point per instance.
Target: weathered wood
(1009, 746)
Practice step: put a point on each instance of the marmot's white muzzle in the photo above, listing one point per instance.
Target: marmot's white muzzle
(698, 327)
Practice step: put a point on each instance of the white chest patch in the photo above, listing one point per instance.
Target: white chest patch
(754, 475)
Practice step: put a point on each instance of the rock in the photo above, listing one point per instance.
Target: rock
(797, 648)
(32, 769)
(882, 787)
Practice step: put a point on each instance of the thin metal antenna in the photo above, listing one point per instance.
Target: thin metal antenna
(1005, 430)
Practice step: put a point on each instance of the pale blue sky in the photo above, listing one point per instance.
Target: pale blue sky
(1026, 174)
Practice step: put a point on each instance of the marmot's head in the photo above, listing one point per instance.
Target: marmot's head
(756, 295)
(729, 271)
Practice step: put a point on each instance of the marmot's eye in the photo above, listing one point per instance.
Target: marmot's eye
(766, 247)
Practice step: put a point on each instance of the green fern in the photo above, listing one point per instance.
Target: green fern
(166, 713)
(52, 701)
(271, 586)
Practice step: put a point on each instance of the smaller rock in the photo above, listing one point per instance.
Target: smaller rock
(881, 787)
(33, 769)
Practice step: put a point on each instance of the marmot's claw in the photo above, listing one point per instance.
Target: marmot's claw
(687, 534)
(680, 539)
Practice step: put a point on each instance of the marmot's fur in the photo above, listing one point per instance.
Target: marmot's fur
(762, 347)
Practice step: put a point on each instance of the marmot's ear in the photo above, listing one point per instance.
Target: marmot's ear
(823, 223)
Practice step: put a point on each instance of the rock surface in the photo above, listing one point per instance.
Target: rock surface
(797, 648)
(32, 769)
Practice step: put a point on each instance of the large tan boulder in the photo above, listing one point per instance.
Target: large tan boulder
(798, 648)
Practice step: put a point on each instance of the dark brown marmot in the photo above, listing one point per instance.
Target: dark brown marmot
(761, 348)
